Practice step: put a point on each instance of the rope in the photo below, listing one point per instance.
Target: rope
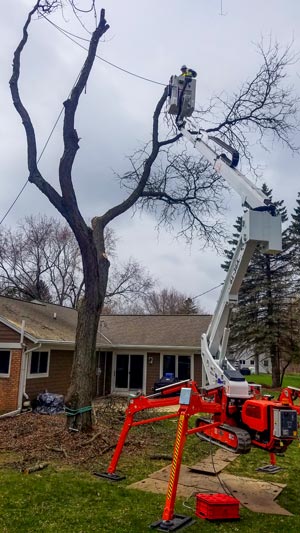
(80, 411)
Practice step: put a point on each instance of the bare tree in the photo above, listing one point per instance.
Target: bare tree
(24, 258)
(41, 260)
(189, 192)
(127, 284)
(170, 302)
(142, 185)
(265, 106)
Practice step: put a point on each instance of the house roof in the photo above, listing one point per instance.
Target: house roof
(40, 323)
(50, 323)
(154, 330)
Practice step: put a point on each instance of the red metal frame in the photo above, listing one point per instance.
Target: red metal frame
(141, 403)
(256, 415)
(135, 405)
(288, 396)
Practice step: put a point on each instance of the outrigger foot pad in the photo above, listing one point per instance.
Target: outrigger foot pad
(270, 469)
(177, 522)
(106, 475)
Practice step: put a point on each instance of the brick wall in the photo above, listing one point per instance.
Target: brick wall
(9, 387)
(198, 369)
(59, 375)
(152, 371)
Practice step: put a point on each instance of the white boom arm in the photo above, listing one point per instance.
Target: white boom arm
(243, 186)
(259, 229)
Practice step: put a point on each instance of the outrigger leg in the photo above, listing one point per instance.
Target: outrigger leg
(141, 403)
(171, 521)
(111, 471)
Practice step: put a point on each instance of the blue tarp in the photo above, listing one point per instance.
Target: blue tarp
(48, 403)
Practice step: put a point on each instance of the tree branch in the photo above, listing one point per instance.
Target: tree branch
(34, 174)
(70, 136)
(137, 192)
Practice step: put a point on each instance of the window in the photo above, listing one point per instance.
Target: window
(184, 367)
(266, 362)
(252, 361)
(39, 364)
(4, 363)
(178, 366)
(169, 365)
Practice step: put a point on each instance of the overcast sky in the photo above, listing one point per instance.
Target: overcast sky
(151, 38)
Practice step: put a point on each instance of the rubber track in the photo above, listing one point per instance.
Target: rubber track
(244, 439)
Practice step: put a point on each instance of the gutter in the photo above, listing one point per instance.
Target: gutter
(154, 347)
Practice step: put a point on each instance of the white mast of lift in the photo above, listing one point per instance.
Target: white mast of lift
(259, 230)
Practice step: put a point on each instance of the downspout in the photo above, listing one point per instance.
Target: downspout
(24, 373)
(23, 368)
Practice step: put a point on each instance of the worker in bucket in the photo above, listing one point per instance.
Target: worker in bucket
(188, 72)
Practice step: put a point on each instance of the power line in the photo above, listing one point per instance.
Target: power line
(39, 158)
(69, 34)
(12, 205)
(206, 292)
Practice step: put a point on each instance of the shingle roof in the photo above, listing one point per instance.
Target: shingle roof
(154, 330)
(39, 319)
(49, 322)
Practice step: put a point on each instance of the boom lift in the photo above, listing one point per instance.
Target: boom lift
(239, 416)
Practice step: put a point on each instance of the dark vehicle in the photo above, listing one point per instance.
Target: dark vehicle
(245, 371)
(167, 379)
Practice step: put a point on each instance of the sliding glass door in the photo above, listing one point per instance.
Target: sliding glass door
(128, 372)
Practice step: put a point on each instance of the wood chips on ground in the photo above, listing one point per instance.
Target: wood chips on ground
(31, 438)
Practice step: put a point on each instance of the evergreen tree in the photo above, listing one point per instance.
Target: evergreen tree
(233, 242)
(294, 243)
(293, 235)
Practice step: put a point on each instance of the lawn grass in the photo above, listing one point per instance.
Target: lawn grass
(266, 379)
(64, 499)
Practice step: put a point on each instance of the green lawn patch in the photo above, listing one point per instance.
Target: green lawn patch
(67, 499)
(266, 380)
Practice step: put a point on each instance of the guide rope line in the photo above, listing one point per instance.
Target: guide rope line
(79, 411)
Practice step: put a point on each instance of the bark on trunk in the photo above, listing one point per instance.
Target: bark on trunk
(83, 373)
(83, 376)
(275, 367)
(256, 364)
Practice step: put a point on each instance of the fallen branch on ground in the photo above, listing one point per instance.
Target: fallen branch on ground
(31, 469)
(61, 450)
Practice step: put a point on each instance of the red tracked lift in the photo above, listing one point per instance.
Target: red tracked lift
(239, 416)
(234, 425)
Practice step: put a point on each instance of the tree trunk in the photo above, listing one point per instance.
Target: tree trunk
(275, 367)
(84, 365)
(83, 375)
(256, 364)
